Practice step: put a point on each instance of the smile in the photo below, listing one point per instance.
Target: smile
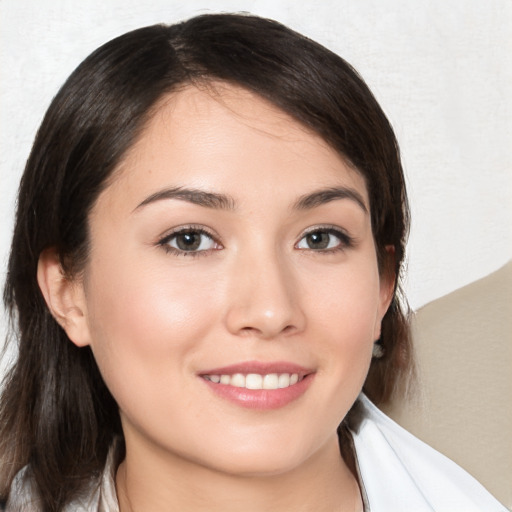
(255, 380)
(258, 385)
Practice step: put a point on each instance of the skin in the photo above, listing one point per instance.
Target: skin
(155, 319)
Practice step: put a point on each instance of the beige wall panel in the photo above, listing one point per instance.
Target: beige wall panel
(462, 404)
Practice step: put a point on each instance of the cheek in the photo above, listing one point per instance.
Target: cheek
(347, 317)
(346, 301)
(144, 326)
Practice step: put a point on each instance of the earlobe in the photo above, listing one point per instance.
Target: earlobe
(387, 292)
(64, 297)
(388, 278)
(387, 286)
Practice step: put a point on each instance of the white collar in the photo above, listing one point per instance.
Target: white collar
(397, 473)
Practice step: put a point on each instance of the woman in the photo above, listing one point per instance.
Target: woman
(204, 272)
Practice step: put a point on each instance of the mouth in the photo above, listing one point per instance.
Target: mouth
(259, 385)
(255, 380)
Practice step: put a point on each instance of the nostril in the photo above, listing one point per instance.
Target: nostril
(249, 330)
(263, 311)
(254, 331)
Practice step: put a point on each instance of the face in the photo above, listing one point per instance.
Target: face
(232, 295)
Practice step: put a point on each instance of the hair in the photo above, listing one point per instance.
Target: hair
(56, 414)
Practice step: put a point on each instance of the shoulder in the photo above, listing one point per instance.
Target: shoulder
(98, 495)
(401, 473)
(24, 497)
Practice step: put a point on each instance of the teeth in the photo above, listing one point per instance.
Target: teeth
(284, 380)
(238, 380)
(270, 381)
(256, 381)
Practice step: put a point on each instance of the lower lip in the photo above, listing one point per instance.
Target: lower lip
(261, 399)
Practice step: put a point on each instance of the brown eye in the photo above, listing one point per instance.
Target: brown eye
(324, 240)
(190, 241)
(318, 240)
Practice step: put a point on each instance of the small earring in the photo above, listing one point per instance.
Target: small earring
(378, 349)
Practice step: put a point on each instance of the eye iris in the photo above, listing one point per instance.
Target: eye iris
(318, 240)
(188, 241)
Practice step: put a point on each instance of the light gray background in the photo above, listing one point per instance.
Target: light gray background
(441, 70)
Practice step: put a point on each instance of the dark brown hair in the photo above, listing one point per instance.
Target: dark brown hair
(56, 414)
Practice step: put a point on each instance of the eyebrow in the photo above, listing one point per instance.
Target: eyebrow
(327, 195)
(224, 202)
(191, 195)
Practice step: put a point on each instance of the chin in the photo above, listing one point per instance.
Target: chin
(261, 465)
(267, 457)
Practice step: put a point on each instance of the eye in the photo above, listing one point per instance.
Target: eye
(189, 240)
(324, 239)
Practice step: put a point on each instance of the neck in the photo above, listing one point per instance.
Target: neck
(323, 483)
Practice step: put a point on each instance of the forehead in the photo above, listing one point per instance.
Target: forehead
(222, 137)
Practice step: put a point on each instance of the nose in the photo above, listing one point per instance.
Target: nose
(264, 298)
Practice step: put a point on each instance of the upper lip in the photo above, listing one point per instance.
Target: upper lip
(259, 367)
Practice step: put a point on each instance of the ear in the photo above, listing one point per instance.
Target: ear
(387, 286)
(64, 297)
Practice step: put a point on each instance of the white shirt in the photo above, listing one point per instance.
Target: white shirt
(397, 473)
(400, 473)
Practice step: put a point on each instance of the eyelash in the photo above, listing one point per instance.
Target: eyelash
(345, 241)
(196, 230)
